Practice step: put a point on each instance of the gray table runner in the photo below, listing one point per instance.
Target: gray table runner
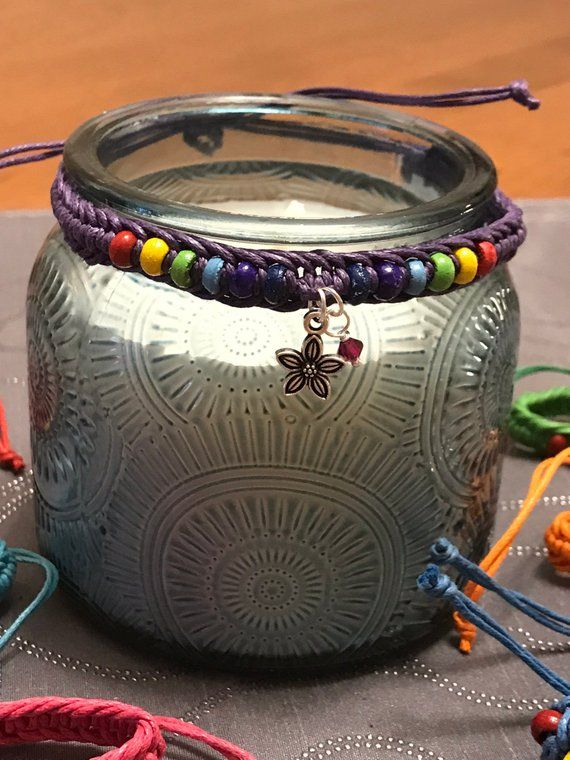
(431, 703)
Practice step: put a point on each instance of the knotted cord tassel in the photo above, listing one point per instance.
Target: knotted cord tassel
(557, 747)
(436, 584)
(557, 540)
(443, 552)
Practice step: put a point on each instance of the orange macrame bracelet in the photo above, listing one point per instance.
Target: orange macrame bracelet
(557, 540)
(9, 459)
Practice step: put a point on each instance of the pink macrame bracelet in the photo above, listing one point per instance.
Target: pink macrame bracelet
(134, 733)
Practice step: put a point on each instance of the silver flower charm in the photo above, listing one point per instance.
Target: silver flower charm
(309, 367)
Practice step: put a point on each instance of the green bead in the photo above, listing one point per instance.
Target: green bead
(181, 269)
(444, 272)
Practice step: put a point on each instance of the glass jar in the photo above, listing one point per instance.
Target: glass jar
(180, 493)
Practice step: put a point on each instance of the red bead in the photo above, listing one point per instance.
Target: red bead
(350, 350)
(120, 249)
(556, 444)
(544, 724)
(487, 255)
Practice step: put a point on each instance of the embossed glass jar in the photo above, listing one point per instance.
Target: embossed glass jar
(180, 493)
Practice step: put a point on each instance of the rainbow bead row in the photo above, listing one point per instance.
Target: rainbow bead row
(156, 259)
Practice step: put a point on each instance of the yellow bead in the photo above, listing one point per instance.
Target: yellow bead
(468, 264)
(152, 256)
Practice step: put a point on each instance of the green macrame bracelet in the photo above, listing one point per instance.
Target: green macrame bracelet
(541, 420)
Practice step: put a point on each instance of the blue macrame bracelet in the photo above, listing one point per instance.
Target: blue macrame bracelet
(436, 584)
(443, 552)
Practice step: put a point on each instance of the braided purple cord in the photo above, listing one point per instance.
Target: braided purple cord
(30, 152)
(518, 90)
(89, 229)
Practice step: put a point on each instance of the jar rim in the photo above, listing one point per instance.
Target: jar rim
(124, 130)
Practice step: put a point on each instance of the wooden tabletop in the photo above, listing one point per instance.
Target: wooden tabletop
(64, 61)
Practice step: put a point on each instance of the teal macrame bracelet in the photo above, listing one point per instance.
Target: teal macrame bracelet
(9, 558)
(541, 420)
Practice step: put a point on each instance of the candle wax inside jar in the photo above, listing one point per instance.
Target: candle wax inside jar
(285, 208)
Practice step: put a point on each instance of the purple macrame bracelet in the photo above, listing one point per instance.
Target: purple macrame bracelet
(288, 279)
(89, 229)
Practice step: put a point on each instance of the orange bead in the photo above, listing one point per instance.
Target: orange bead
(121, 248)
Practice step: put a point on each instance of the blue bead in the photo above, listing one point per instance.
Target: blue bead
(274, 287)
(359, 283)
(211, 275)
(418, 277)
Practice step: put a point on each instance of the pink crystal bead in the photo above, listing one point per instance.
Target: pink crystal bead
(350, 350)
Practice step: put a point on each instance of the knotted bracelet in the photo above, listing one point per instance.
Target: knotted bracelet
(133, 733)
(288, 279)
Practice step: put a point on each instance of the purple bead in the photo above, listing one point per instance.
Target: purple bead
(391, 280)
(241, 281)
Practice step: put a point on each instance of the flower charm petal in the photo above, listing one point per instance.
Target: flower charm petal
(289, 358)
(312, 349)
(330, 364)
(320, 385)
(294, 382)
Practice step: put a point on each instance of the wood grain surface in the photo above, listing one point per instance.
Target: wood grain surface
(62, 61)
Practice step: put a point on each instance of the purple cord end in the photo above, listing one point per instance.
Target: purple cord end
(520, 93)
